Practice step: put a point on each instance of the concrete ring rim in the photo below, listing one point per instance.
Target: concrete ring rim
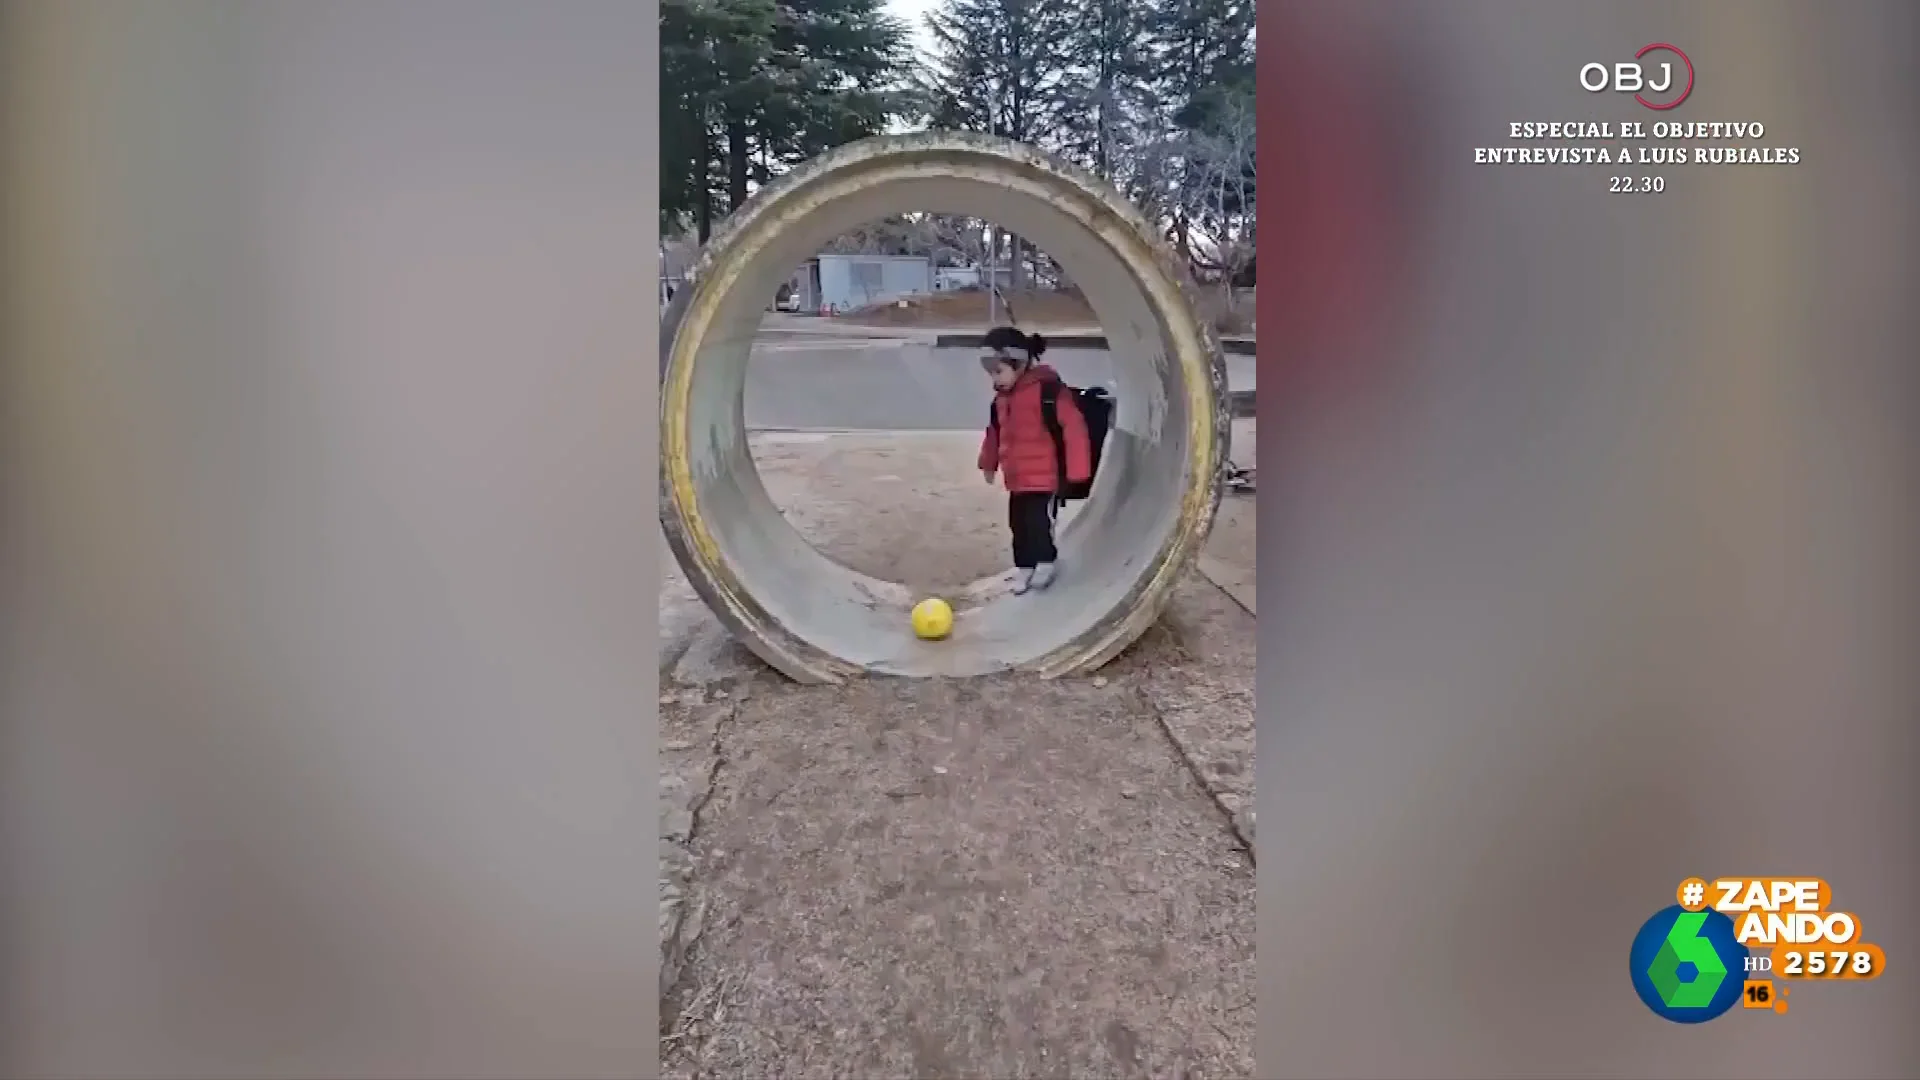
(869, 164)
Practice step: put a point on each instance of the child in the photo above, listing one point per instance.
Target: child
(1022, 449)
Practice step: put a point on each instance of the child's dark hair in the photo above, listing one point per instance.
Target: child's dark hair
(1002, 338)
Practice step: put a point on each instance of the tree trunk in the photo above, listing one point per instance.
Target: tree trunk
(993, 273)
(1182, 240)
(739, 156)
(703, 199)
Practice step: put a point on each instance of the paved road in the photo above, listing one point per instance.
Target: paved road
(872, 384)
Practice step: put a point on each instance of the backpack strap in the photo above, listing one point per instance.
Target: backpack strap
(1050, 409)
(1050, 412)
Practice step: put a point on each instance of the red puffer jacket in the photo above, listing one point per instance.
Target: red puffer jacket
(1021, 447)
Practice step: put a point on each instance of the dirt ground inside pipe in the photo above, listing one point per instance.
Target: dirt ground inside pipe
(985, 878)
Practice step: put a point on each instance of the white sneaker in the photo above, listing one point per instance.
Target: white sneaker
(1022, 580)
(1043, 575)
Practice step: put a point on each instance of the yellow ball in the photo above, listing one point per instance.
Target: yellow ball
(932, 619)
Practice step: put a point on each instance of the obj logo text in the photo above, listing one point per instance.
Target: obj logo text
(1631, 78)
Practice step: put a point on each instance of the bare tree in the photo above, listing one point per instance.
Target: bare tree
(962, 239)
(901, 234)
(1211, 207)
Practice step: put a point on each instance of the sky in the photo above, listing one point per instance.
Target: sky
(914, 14)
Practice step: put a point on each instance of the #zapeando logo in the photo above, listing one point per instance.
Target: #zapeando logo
(1688, 966)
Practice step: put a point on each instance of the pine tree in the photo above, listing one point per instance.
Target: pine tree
(689, 85)
(1204, 52)
(999, 66)
(750, 87)
(840, 66)
(1205, 56)
(1107, 88)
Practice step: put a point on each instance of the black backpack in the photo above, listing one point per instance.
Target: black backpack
(1096, 408)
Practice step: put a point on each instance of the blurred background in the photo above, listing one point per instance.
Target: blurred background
(328, 395)
(1588, 534)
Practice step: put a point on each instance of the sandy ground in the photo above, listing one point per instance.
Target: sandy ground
(907, 488)
(985, 878)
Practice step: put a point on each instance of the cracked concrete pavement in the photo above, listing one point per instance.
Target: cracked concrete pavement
(931, 878)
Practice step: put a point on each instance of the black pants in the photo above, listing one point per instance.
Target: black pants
(1030, 516)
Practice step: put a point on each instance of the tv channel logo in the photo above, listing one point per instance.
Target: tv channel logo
(1688, 966)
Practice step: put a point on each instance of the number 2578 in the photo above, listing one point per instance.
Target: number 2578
(1836, 964)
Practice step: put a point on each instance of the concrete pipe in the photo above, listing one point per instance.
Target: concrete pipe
(1160, 478)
